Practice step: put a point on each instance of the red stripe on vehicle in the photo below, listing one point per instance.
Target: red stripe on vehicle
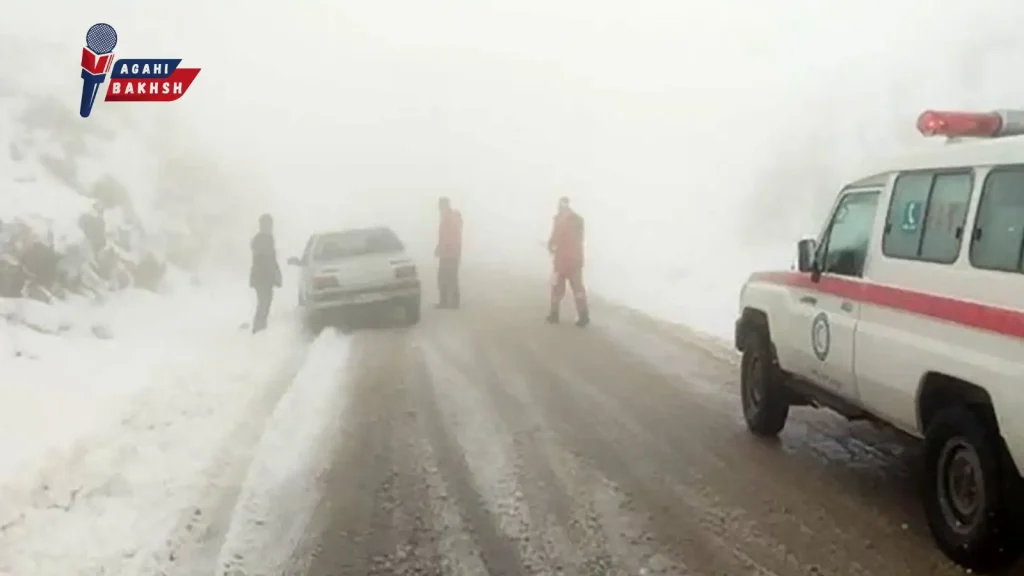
(964, 312)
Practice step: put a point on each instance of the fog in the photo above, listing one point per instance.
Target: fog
(698, 139)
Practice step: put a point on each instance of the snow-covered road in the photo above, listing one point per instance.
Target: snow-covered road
(482, 441)
(132, 453)
(487, 442)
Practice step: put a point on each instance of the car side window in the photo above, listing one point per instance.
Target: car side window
(844, 248)
(903, 224)
(997, 241)
(945, 217)
(926, 216)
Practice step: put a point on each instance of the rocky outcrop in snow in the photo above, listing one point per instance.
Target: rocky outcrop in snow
(91, 206)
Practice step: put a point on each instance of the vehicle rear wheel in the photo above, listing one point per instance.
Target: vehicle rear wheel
(765, 398)
(970, 491)
(412, 309)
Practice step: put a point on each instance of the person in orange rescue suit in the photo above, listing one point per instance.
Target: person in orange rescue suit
(449, 253)
(566, 247)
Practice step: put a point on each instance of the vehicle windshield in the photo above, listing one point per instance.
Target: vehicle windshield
(356, 243)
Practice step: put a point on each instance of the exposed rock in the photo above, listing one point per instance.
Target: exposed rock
(102, 332)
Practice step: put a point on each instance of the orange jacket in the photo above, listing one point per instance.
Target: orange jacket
(449, 236)
(566, 242)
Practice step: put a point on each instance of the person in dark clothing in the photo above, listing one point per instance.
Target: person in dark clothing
(566, 247)
(265, 273)
(449, 253)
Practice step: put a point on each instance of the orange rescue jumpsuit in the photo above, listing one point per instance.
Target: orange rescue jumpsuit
(449, 253)
(566, 244)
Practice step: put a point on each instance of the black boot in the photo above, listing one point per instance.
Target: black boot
(583, 320)
(552, 318)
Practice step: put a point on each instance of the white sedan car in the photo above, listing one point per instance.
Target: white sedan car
(356, 268)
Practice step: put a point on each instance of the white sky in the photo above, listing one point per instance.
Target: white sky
(682, 129)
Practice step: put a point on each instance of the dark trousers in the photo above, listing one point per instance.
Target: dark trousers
(448, 281)
(264, 296)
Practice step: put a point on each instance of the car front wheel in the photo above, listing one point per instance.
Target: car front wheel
(765, 398)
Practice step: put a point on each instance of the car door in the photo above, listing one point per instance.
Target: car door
(826, 306)
(305, 272)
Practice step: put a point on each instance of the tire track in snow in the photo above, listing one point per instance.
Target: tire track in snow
(559, 515)
(200, 531)
(478, 465)
(394, 505)
(581, 517)
(607, 536)
(283, 485)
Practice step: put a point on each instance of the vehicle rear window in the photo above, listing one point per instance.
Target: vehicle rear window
(998, 239)
(356, 243)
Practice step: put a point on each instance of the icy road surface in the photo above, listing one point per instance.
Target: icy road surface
(480, 442)
(486, 442)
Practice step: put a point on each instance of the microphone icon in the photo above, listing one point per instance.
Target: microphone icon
(97, 58)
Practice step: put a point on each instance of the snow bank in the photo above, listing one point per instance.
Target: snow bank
(108, 442)
(282, 488)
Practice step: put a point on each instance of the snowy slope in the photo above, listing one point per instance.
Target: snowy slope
(112, 447)
(129, 398)
(58, 173)
(128, 417)
(112, 196)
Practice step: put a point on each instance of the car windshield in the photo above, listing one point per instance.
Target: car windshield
(356, 243)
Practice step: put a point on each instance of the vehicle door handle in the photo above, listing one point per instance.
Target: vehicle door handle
(846, 306)
(809, 300)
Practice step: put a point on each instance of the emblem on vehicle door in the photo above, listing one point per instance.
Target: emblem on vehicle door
(821, 336)
(911, 217)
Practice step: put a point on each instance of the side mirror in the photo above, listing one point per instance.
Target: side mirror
(805, 250)
(293, 261)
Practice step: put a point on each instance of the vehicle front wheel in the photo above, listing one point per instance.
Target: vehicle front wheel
(765, 398)
(970, 491)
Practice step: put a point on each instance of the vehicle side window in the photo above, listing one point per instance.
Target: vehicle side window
(845, 246)
(998, 235)
(927, 215)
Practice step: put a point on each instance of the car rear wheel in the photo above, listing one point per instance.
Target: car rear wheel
(765, 398)
(970, 491)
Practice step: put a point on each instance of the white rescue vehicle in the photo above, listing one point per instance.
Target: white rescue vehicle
(908, 310)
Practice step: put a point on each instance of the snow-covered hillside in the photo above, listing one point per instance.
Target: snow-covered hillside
(76, 203)
(93, 205)
(110, 357)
